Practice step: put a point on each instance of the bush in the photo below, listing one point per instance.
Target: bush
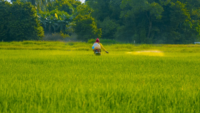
(108, 41)
(91, 40)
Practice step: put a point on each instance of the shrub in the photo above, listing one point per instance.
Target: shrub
(91, 40)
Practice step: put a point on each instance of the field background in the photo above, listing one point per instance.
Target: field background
(44, 77)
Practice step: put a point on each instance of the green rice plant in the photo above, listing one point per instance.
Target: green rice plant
(49, 81)
(73, 46)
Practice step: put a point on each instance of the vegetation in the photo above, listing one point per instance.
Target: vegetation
(148, 21)
(55, 21)
(129, 21)
(143, 72)
(71, 17)
(19, 22)
(109, 45)
(78, 81)
(58, 16)
(86, 27)
(64, 16)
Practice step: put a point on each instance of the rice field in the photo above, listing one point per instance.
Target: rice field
(143, 79)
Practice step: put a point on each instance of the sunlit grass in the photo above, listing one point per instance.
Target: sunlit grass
(82, 46)
(49, 81)
(147, 53)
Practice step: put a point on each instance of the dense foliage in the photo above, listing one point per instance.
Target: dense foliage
(60, 16)
(68, 17)
(148, 21)
(80, 20)
(55, 21)
(85, 25)
(132, 21)
(19, 22)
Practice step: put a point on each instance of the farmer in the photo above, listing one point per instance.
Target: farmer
(97, 46)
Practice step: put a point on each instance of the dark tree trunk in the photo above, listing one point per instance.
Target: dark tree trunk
(150, 26)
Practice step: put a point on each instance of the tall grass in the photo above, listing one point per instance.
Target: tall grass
(82, 46)
(49, 81)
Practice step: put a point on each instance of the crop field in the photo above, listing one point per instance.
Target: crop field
(52, 77)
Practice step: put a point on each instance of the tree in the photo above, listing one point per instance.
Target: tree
(55, 21)
(68, 6)
(107, 14)
(4, 20)
(148, 21)
(59, 16)
(86, 27)
(139, 18)
(21, 22)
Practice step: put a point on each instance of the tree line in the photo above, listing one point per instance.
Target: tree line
(31, 20)
(148, 21)
(132, 21)
(19, 21)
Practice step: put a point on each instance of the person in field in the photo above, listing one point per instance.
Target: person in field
(97, 46)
